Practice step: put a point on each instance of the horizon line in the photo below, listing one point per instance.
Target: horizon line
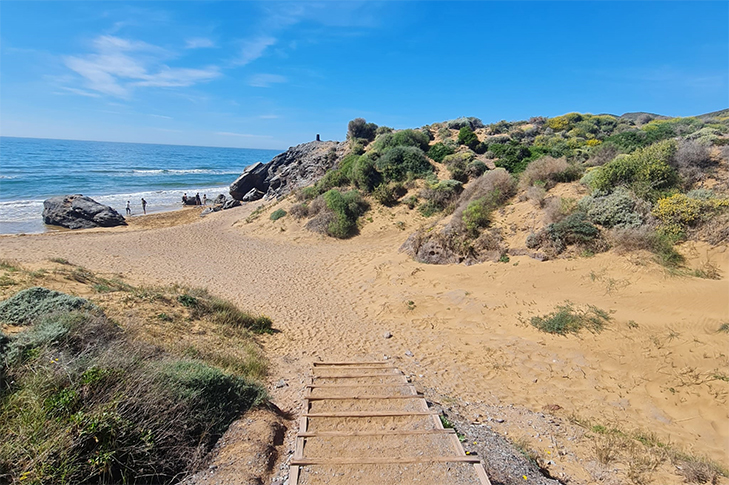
(280, 150)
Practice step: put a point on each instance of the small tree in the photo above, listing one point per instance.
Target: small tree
(359, 128)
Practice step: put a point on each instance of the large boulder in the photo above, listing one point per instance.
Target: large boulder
(296, 167)
(253, 177)
(79, 212)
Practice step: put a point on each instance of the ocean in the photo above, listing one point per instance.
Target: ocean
(33, 169)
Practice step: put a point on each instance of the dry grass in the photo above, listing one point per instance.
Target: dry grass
(546, 171)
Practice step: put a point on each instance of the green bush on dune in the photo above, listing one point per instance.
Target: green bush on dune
(26, 306)
(347, 208)
(398, 161)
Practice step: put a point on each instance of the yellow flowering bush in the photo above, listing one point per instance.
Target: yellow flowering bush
(680, 211)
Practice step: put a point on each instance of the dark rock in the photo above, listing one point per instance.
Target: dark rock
(79, 212)
(298, 166)
(253, 194)
(229, 204)
(220, 199)
(252, 177)
(190, 201)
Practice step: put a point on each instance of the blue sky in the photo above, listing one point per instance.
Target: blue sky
(271, 75)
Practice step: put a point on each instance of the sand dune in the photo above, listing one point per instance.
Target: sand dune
(661, 366)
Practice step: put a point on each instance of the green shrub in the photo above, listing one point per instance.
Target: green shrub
(397, 162)
(477, 215)
(573, 229)
(27, 306)
(616, 209)
(364, 174)
(467, 137)
(646, 171)
(568, 319)
(347, 208)
(512, 156)
(439, 151)
(277, 214)
(331, 180)
(346, 164)
(403, 138)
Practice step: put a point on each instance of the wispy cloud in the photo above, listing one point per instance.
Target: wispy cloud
(80, 92)
(242, 135)
(252, 49)
(121, 64)
(160, 116)
(199, 43)
(269, 117)
(265, 80)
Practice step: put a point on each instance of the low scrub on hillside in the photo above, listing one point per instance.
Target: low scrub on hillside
(81, 402)
(640, 172)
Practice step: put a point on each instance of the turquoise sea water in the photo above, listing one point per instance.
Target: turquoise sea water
(32, 170)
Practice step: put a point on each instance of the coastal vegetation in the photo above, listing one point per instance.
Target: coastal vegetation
(650, 182)
(85, 398)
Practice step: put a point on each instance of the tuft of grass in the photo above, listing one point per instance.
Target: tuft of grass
(568, 319)
(277, 214)
(724, 328)
(255, 214)
(60, 261)
(203, 304)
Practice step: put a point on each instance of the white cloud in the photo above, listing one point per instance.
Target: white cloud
(253, 49)
(80, 92)
(121, 64)
(265, 80)
(199, 43)
(268, 117)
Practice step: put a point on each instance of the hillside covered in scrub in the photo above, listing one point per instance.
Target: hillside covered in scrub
(637, 181)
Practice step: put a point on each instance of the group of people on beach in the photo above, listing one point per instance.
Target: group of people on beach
(194, 200)
(129, 207)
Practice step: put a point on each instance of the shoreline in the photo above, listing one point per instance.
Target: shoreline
(151, 220)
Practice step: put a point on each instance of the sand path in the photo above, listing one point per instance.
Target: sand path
(660, 367)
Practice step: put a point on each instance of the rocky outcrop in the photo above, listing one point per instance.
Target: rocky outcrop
(297, 167)
(79, 212)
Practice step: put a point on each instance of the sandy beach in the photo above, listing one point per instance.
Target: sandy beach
(463, 331)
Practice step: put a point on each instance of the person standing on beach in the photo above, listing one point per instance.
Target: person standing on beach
(197, 199)
(129, 208)
(144, 206)
(205, 199)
